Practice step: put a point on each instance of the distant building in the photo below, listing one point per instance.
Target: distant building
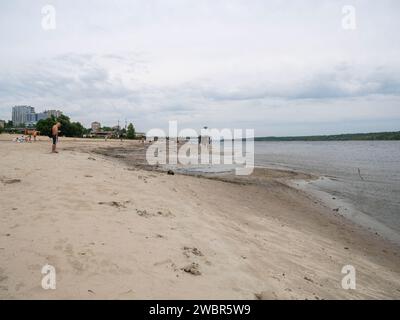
(41, 116)
(23, 115)
(140, 135)
(47, 114)
(26, 115)
(55, 113)
(2, 124)
(96, 126)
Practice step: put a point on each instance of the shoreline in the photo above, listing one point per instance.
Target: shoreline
(114, 231)
(348, 210)
(294, 178)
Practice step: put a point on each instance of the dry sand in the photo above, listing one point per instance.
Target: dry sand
(113, 231)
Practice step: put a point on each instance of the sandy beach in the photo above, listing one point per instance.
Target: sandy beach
(114, 230)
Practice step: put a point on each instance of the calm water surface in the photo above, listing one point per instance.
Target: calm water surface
(366, 173)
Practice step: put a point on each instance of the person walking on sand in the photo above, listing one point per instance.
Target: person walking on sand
(54, 135)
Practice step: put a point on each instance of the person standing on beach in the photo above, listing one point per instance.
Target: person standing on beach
(54, 135)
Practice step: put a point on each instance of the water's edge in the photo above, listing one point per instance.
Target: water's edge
(346, 209)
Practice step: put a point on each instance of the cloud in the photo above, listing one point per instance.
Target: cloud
(340, 82)
(96, 87)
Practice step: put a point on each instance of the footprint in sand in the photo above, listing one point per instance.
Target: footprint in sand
(187, 251)
(10, 181)
(147, 214)
(144, 178)
(192, 268)
(270, 294)
(165, 213)
(196, 254)
(143, 213)
(168, 262)
(115, 204)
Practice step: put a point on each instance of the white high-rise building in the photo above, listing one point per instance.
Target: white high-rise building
(23, 115)
(26, 115)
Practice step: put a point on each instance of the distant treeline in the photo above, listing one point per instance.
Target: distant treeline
(339, 137)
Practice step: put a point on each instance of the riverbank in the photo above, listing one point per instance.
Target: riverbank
(114, 230)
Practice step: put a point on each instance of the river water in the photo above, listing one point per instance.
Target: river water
(364, 173)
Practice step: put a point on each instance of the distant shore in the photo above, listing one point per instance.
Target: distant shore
(373, 136)
(117, 229)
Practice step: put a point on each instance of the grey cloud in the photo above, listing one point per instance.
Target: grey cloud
(340, 83)
(69, 78)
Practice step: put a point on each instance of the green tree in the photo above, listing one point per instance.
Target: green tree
(68, 128)
(77, 129)
(130, 134)
(85, 130)
(45, 125)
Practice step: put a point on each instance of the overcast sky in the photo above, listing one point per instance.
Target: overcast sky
(279, 67)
